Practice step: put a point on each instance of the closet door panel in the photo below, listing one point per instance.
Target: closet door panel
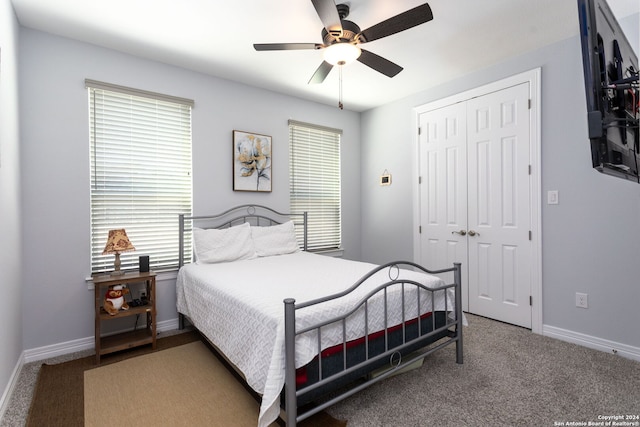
(498, 206)
(443, 189)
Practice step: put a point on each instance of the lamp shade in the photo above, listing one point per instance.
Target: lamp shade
(341, 53)
(117, 242)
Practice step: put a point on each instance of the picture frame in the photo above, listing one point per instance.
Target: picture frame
(252, 162)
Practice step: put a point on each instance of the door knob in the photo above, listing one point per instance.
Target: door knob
(461, 232)
(473, 233)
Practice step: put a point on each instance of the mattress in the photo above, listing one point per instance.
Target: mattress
(239, 307)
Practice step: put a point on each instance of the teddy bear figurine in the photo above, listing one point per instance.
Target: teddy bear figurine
(114, 299)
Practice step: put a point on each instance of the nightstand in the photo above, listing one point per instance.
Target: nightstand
(123, 341)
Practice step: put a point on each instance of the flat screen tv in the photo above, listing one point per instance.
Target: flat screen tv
(611, 85)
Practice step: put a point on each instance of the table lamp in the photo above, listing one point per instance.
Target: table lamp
(116, 243)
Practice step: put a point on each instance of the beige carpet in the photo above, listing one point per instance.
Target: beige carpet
(181, 386)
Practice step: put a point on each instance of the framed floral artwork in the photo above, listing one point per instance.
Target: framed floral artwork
(251, 162)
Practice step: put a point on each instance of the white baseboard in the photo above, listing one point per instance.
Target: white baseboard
(8, 392)
(588, 341)
(54, 350)
(81, 344)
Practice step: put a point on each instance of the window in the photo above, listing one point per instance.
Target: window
(314, 158)
(140, 146)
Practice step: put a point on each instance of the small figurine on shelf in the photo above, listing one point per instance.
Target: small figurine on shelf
(114, 299)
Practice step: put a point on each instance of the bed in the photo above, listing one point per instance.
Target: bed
(306, 330)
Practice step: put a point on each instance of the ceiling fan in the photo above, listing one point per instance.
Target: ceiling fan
(342, 37)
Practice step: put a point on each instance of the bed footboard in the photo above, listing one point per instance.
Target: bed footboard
(415, 345)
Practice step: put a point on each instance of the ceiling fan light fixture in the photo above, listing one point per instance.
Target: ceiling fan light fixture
(341, 53)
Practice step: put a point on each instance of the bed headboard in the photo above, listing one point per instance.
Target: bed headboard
(256, 215)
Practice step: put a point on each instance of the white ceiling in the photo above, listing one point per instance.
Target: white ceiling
(216, 37)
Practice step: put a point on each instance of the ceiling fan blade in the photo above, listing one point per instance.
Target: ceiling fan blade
(328, 13)
(286, 46)
(404, 21)
(379, 64)
(321, 73)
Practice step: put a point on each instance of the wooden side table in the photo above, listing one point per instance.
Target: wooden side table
(123, 341)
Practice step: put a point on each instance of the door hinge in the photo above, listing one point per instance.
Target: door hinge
(419, 180)
(419, 130)
(419, 229)
(529, 169)
(529, 104)
(530, 300)
(530, 235)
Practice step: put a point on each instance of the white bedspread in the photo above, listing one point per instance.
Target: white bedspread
(239, 307)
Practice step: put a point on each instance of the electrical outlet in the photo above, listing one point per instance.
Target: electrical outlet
(582, 300)
(552, 197)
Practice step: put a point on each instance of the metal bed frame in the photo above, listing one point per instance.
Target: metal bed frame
(414, 348)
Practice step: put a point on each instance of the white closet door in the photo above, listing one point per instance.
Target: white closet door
(498, 205)
(475, 201)
(443, 192)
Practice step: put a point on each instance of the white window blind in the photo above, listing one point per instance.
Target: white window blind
(140, 173)
(314, 157)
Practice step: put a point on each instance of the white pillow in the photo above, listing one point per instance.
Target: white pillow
(220, 245)
(275, 240)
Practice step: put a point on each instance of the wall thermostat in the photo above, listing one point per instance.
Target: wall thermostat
(385, 178)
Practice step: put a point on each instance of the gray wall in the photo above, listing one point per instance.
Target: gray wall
(55, 167)
(10, 242)
(590, 241)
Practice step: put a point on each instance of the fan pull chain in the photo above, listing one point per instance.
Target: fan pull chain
(340, 64)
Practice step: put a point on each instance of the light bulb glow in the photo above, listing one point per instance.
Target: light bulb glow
(341, 53)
